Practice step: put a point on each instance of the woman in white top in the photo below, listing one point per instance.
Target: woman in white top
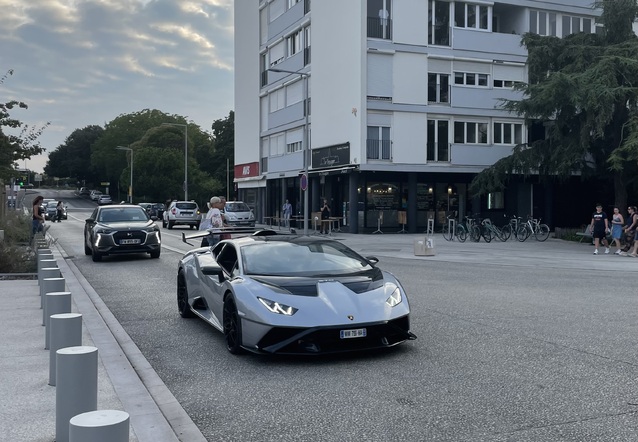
(212, 222)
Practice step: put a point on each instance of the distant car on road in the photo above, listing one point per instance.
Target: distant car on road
(51, 211)
(95, 195)
(182, 213)
(104, 199)
(84, 191)
(120, 229)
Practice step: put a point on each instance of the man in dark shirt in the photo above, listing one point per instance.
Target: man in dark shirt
(599, 228)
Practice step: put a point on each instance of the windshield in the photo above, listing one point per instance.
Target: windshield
(237, 207)
(186, 206)
(318, 259)
(122, 214)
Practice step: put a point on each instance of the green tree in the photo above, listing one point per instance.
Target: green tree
(583, 90)
(73, 158)
(16, 147)
(224, 139)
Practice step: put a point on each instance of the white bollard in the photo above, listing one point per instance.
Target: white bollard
(49, 285)
(65, 331)
(45, 261)
(76, 386)
(100, 426)
(54, 304)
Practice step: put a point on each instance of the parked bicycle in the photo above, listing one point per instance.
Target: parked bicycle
(453, 229)
(511, 227)
(532, 227)
(490, 231)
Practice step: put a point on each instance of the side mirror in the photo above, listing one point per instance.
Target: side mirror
(373, 260)
(154, 218)
(89, 220)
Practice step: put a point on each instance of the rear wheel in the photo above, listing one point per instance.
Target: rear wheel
(447, 233)
(506, 230)
(182, 297)
(475, 234)
(542, 232)
(170, 225)
(232, 327)
(487, 234)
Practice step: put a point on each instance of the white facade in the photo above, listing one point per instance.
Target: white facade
(407, 92)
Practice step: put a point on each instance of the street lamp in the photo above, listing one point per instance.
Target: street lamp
(306, 147)
(185, 126)
(130, 190)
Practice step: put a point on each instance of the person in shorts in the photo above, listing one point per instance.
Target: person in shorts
(599, 228)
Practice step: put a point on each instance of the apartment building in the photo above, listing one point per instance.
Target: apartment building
(387, 108)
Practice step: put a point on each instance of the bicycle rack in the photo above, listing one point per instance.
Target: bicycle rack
(379, 222)
(451, 224)
(430, 229)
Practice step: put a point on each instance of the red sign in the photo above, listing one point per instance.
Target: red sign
(246, 170)
(303, 181)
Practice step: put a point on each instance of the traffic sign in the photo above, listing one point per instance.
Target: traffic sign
(304, 182)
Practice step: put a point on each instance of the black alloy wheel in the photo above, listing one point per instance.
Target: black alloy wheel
(232, 327)
(182, 297)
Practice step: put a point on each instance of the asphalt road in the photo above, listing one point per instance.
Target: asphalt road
(504, 353)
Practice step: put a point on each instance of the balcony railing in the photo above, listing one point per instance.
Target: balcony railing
(380, 28)
(379, 149)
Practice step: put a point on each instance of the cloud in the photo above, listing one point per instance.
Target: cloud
(83, 62)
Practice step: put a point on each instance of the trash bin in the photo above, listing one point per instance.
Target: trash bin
(424, 247)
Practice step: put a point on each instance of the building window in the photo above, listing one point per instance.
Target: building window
(378, 144)
(293, 147)
(277, 145)
(467, 15)
(505, 84)
(439, 22)
(293, 43)
(306, 46)
(380, 19)
(542, 23)
(508, 133)
(438, 88)
(438, 144)
(574, 25)
(495, 201)
(292, 3)
(277, 99)
(470, 132)
(276, 54)
(470, 79)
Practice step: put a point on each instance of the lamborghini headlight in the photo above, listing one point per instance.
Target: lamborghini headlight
(275, 307)
(395, 298)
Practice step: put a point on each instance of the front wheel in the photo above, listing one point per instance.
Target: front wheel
(155, 254)
(487, 234)
(506, 231)
(522, 233)
(475, 234)
(447, 233)
(96, 256)
(461, 233)
(542, 232)
(232, 327)
(182, 297)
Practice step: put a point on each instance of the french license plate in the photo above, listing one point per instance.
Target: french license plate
(186, 214)
(354, 333)
(129, 241)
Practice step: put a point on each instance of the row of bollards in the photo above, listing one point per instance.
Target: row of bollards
(72, 366)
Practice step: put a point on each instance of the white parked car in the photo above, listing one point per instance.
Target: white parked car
(238, 214)
(95, 195)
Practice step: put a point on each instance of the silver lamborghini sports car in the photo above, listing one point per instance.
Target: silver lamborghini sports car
(288, 294)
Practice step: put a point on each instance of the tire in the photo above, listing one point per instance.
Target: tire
(156, 254)
(500, 235)
(447, 234)
(522, 233)
(475, 234)
(461, 233)
(96, 256)
(197, 226)
(170, 225)
(542, 232)
(506, 231)
(232, 327)
(487, 234)
(163, 223)
(182, 297)
(87, 249)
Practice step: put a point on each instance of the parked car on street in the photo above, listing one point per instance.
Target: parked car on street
(238, 214)
(182, 213)
(95, 195)
(120, 229)
(104, 199)
(154, 210)
(84, 191)
(288, 294)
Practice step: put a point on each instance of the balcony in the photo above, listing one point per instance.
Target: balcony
(380, 28)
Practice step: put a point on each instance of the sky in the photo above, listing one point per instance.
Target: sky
(84, 62)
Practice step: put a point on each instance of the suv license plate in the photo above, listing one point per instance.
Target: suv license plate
(129, 241)
(355, 333)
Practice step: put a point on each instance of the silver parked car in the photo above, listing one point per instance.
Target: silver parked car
(286, 294)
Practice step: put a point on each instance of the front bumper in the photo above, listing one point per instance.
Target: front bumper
(110, 244)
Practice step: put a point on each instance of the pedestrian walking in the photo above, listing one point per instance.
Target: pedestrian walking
(631, 231)
(37, 215)
(325, 217)
(286, 210)
(59, 210)
(617, 222)
(600, 228)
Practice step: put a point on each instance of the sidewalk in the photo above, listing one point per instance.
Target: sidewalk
(27, 410)
(127, 382)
